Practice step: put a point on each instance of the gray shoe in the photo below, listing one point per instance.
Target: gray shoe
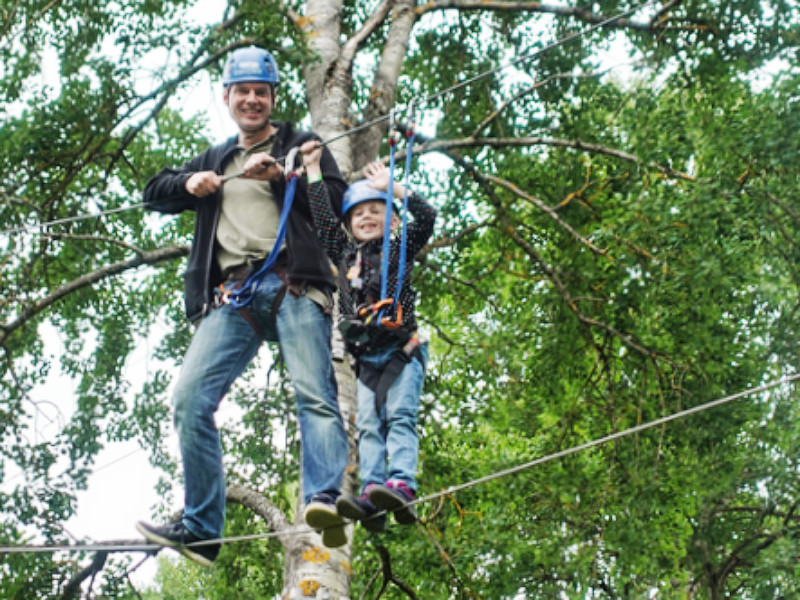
(321, 515)
(394, 497)
(177, 537)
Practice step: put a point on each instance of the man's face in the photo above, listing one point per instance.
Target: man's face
(250, 105)
(367, 220)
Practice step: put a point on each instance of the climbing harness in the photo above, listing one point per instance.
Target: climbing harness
(240, 296)
(380, 380)
(395, 321)
(385, 312)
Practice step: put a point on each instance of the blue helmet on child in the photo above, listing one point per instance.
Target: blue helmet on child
(250, 65)
(360, 191)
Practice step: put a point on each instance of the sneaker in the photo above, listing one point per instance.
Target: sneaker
(321, 515)
(394, 497)
(361, 509)
(176, 536)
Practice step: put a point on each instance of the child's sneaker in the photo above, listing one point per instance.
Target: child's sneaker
(361, 509)
(321, 515)
(395, 496)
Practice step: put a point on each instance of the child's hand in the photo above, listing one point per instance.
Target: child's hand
(378, 175)
(312, 153)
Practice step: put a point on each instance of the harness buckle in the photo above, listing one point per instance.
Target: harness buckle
(222, 295)
(369, 313)
(395, 323)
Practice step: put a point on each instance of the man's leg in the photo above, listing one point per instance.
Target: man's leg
(305, 337)
(222, 347)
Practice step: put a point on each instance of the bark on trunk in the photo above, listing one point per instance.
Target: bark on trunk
(312, 570)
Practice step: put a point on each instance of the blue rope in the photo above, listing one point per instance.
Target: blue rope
(387, 221)
(243, 295)
(401, 267)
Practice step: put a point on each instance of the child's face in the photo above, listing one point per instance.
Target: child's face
(367, 220)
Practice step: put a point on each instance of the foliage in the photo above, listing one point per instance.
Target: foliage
(613, 247)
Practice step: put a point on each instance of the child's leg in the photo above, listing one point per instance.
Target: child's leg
(371, 438)
(402, 407)
(402, 445)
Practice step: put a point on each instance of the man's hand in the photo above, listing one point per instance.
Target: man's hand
(203, 183)
(262, 166)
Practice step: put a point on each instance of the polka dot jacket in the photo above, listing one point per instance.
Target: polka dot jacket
(359, 266)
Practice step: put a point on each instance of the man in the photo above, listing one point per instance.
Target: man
(237, 192)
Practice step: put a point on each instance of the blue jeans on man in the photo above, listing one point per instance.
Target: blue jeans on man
(223, 346)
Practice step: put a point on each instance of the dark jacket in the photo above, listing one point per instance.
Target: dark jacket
(166, 193)
(345, 252)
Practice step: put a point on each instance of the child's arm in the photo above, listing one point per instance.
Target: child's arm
(326, 223)
(421, 228)
(378, 176)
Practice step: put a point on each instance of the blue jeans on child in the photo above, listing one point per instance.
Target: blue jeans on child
(390, 434)
(222, 347)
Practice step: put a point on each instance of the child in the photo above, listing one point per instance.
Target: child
(390, 360)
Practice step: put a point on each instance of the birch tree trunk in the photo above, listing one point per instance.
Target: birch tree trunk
(311, 569)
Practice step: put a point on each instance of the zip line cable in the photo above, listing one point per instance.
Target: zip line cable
(484, 74)
(446, 492)
(376, 121)
(102, 213)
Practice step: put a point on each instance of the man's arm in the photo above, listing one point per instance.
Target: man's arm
(172, 191)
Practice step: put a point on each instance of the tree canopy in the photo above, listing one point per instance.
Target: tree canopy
(617, 242)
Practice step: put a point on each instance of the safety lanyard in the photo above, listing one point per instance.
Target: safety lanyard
(401, 269)
(401, 266)
(244, 294)
(387, 221)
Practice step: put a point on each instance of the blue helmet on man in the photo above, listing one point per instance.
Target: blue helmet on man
(251, 65)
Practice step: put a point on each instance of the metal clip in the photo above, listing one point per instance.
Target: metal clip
(288, 164)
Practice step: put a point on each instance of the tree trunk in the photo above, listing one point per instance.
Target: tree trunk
(311, 569)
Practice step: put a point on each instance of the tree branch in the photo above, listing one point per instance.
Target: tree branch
(509, 229)
(389, 576)
(73, 588)
(255, 501)
(151, 257)
(580, 13)
(547, 210)
(95, 238)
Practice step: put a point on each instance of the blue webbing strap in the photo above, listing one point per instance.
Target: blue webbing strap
(387, 222)
(243, 295)
(401, 267)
